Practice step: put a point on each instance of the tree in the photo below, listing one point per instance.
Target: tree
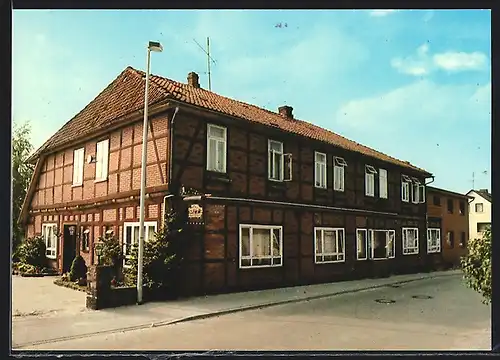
(476, 265)
(21, 176)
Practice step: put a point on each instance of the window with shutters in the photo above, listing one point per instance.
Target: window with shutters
(339, 166)
(382, 174)
(101, 161)
(216, 148)
(78, 161)
(320, 170)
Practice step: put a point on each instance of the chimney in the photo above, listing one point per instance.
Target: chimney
(286, 111)
(483, 190)
(193, 80)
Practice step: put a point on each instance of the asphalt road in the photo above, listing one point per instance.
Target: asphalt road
(445, 315)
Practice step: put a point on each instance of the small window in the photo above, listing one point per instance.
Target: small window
(417, 191)
(361, 244)
(261, 246)
(49, 234)
(450, 239)
(462, 207)
(479, 207)
(102, 157)
(433, 240)
(405, 188)
(463, 241)
(383, 183)
(216, 148)
(131, 237)
(320, 170)
(410, 241)
(450, 206)
(329, 245)
(436, 200)
(78, 161)
(482, 227)
(280, 164)
(85, 240)
(370, 180)
(339, 165)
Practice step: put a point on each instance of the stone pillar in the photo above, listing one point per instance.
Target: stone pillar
(99, 287)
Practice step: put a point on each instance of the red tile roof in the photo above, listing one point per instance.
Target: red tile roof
(126, 95)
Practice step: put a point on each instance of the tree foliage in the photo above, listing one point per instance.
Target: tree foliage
(21, 176)
(112, 253)
(476, 265)
(78, 269)
(161, 258)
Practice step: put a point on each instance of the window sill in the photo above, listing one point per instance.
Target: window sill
(76, 185)
(406, 254)
(51, 257)
(362, 259)
(100, 181)
(434, 252)
(260, 266)
(329, 262)
(218, 176)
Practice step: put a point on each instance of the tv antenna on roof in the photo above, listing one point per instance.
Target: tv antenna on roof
(209, 60)
(485, 172)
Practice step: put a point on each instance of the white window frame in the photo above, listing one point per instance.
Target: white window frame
(389, 241)
(251, 256)
(320, 170)
(366, 232)
(102, 160)
(85, 235)
(482, 208)
(133, 225)
(284, 159)
(339, 255)
(382, 184)
(433, 248)
(415, 191)
(410, 249)
(50, 252)
(405, 188)
(211, 139)
(370, 172)
(78, 161)
(338, 173)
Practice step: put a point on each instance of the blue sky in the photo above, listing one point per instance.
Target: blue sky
(415, 84)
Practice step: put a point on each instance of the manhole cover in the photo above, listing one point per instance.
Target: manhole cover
(423, 297)
(385, 301)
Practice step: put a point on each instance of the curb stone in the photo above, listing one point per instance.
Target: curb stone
(218, 313)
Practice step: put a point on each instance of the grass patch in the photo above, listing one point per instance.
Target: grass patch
(70, 285)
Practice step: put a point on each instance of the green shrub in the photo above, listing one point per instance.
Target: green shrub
(32, 252)
(476, 265)
(78, 269)
(112, 253)
(160, 259)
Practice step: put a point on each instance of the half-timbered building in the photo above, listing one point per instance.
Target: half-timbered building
(280, 201)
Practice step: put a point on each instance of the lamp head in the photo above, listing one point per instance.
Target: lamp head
(155, 46)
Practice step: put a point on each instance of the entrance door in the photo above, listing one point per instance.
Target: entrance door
(69, 247)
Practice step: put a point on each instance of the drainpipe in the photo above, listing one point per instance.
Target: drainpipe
(171, 146)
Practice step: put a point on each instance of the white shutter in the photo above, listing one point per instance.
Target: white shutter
(98, 162)
(383, 183)
(105, 159)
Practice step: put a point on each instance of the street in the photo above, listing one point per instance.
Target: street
(431, 314)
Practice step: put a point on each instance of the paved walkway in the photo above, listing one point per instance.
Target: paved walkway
(32, 330)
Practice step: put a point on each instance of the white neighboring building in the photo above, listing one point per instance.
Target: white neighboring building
(479, 212)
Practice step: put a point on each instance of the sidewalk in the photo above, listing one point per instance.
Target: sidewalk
(32, 331)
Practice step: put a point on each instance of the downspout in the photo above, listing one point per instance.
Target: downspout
(171, 147)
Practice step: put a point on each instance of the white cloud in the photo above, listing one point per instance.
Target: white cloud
(422, 63)
(461, 61)
(380, 13)
(428, 124)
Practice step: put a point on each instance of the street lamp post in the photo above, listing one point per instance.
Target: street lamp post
(156, 47)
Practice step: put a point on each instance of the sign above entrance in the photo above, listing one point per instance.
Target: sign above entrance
(195, 214)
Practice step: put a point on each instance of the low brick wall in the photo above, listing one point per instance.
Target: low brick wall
(101, 295)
